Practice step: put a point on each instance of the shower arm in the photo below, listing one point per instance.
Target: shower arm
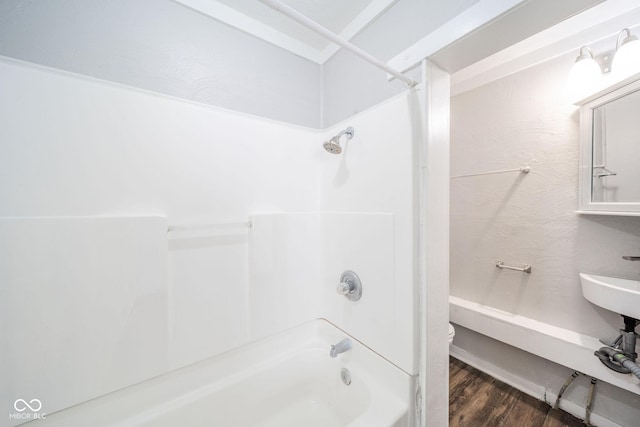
(314, 26)
(348, 131)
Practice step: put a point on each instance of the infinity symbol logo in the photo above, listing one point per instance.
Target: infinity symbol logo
(21, 403)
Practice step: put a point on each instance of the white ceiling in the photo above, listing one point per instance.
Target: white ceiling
(345, 18)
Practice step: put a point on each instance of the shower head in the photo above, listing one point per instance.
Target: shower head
(333, 145)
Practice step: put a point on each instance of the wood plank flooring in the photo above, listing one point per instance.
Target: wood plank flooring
(478, 400)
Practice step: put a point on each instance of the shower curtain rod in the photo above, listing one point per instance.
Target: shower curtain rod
(314, 26)
(524, 169)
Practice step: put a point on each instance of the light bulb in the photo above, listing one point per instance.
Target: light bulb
(585, 76)
(626, 61)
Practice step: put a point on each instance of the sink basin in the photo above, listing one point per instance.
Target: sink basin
(619, 295)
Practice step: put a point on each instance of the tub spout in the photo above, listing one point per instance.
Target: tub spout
(341, 347)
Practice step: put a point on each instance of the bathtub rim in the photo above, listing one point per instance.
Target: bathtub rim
(387, 379)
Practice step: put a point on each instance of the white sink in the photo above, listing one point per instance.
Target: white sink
(619, 295)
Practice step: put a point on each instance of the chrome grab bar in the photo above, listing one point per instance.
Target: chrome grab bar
(525, 268)
(631, 258)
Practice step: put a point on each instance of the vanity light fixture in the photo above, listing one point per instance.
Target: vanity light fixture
(586, 76)
(627, 57)
(585, 71)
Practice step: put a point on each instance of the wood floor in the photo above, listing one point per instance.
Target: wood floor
(478, 400)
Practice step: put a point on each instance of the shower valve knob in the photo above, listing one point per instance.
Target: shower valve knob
(350, 286)
(345, 288)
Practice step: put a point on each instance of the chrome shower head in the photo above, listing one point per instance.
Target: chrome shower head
(333, 145)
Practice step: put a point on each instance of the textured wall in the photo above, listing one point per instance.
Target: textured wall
(162, 46)
(524, 119)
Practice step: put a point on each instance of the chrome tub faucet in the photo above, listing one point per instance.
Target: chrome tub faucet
(341, 347)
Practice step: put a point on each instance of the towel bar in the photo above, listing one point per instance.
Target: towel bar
(526, 268)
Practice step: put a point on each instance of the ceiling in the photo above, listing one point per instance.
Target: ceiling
(345, 18)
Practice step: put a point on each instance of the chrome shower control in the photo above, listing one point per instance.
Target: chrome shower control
(350, 286)
(344, 288)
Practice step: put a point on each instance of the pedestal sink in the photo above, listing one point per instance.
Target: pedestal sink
(621, 296)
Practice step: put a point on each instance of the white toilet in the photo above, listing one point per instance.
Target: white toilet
(452, 333)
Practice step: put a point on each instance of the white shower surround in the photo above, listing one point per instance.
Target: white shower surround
(287, 380)
(82, 147)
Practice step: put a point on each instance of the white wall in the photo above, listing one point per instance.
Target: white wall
(78, 147)
(524, 119)
(165, 47)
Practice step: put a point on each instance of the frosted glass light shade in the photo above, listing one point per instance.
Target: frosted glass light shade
(626, 60)
(584, 78)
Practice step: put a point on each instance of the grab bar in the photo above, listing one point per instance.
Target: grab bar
(210, 226)
(526, 268)
(631, 258)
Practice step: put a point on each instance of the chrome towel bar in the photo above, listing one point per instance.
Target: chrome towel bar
(525, 268)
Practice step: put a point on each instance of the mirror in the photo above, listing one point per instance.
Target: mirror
(610, 151)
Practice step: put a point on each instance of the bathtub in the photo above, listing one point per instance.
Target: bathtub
(281, 381)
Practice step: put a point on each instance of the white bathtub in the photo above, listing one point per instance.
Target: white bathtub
(285, 380)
